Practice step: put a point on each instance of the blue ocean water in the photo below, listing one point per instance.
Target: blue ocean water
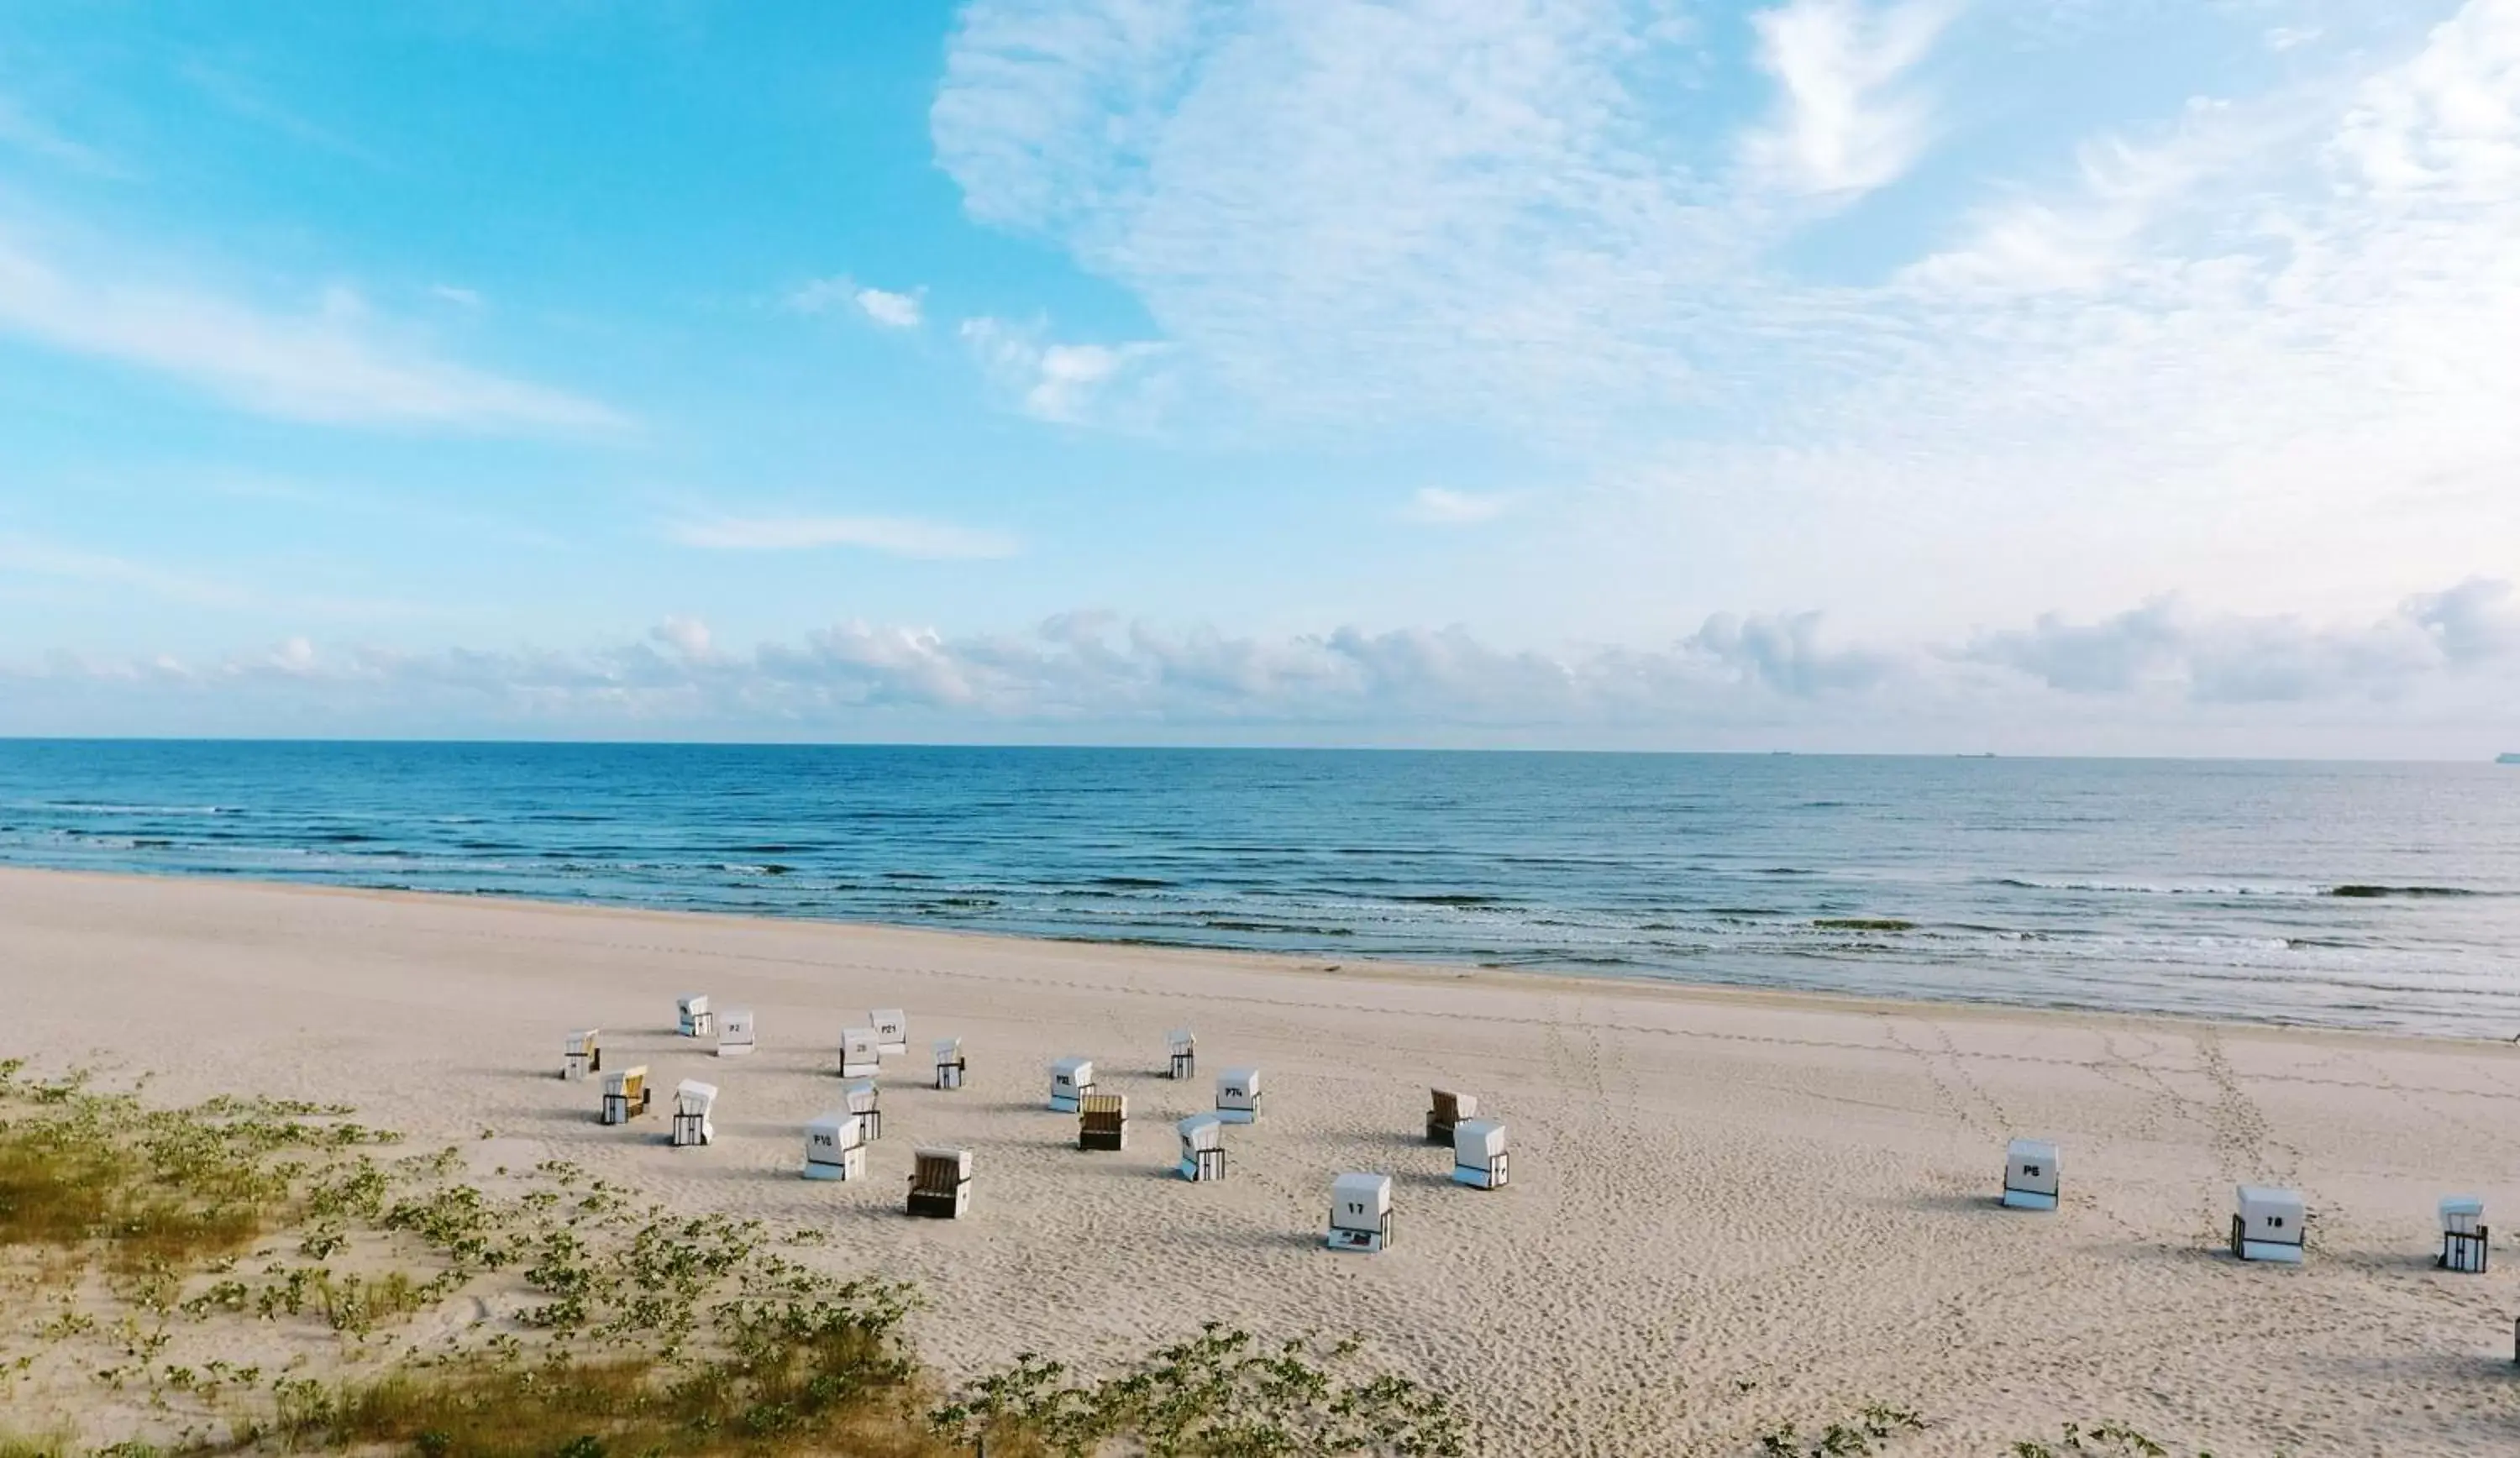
(2358, 895)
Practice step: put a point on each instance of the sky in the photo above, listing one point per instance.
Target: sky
(2117, 376)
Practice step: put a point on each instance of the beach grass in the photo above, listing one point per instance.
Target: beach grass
(634, 1330)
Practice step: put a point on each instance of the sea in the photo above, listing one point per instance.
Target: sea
(2375, 896)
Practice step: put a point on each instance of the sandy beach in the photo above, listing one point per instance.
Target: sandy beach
(1726, 1210)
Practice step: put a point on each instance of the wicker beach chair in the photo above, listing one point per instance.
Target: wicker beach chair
(1102, 1122)
(940, 1187)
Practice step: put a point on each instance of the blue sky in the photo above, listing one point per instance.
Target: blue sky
(2041, 374)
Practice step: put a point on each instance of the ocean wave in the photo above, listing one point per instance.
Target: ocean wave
(2361, 891)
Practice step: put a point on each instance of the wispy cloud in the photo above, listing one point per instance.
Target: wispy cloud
(1850, 117)
(332, 363)
(1496, 217)
(27, 132)
(892, 535)
(1065, 383)
(251, 101)
(35, 557)
(462, 298)
(880, 306)
(1439, 505)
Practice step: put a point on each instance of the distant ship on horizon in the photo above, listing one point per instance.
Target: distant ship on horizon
(2507, 758)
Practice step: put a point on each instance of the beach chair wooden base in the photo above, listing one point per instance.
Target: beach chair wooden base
(850, 1070)
(1239, 1116)
(934, 1206)
(1492, 1177)
(733, 1049)
(618, 1109)
(1204, 1165)
(872, 1120)
(2282, 1253)
(690, 1132)
(2029, 1200)
(1104, 1140)
(1064, 1103)
(2466, 1252)
(949, 1077)
(704, 1026)
(1367, 1242)
(851, 1166)
(1184, 1065)
(1438, 1130)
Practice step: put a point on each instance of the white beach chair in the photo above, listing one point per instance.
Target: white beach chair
(891, 1031)
(1070, 1079)
(2029, 1175)
(1238, 1095)
(2267, 1224)
(1479, 1154)
(693, 1101)
(860, 1057)
(950, 1067)
(1184, 1047)
(625, 1095)
(941, 1188)
(862, 1099)
(1446, 1110)
(2464, 1238)
(583, 1055)
(692, 1015)
(836, 1147)
(1202, 1148)
(735, 1033)
(1359, 1212)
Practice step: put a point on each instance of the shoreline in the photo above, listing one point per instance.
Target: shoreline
(1729, 1208)
(1396, 970)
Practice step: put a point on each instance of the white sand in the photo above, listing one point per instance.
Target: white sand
(1726, 1210)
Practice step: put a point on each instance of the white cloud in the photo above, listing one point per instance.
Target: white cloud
(2220, 341)
(894, 534)
(1065, 383)
(1850, 117)
(462, 298)
(1439, 505)
(330, 364)
(879, 306)
(2456, 653)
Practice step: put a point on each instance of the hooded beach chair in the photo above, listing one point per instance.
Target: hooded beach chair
(1071, 1079)
(625, 1094)
(735, 1033)
(1238, 1095)
(693, 1101)
(1202, 1148)
(2029, 1175)
(1479, 1154)
(864, 1099)
(1359, 1212)
(940, 1184)
(836, 1147)
(692, 1015)
(1184, 1047)
(1102, 1122)
(1449, 1109)
(891, 1031)
(950, 1067)
(860, 1056)
(583, 1055)
(2464, 1235)
(2267, 1224)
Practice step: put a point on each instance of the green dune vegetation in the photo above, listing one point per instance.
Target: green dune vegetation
(258, 1275)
